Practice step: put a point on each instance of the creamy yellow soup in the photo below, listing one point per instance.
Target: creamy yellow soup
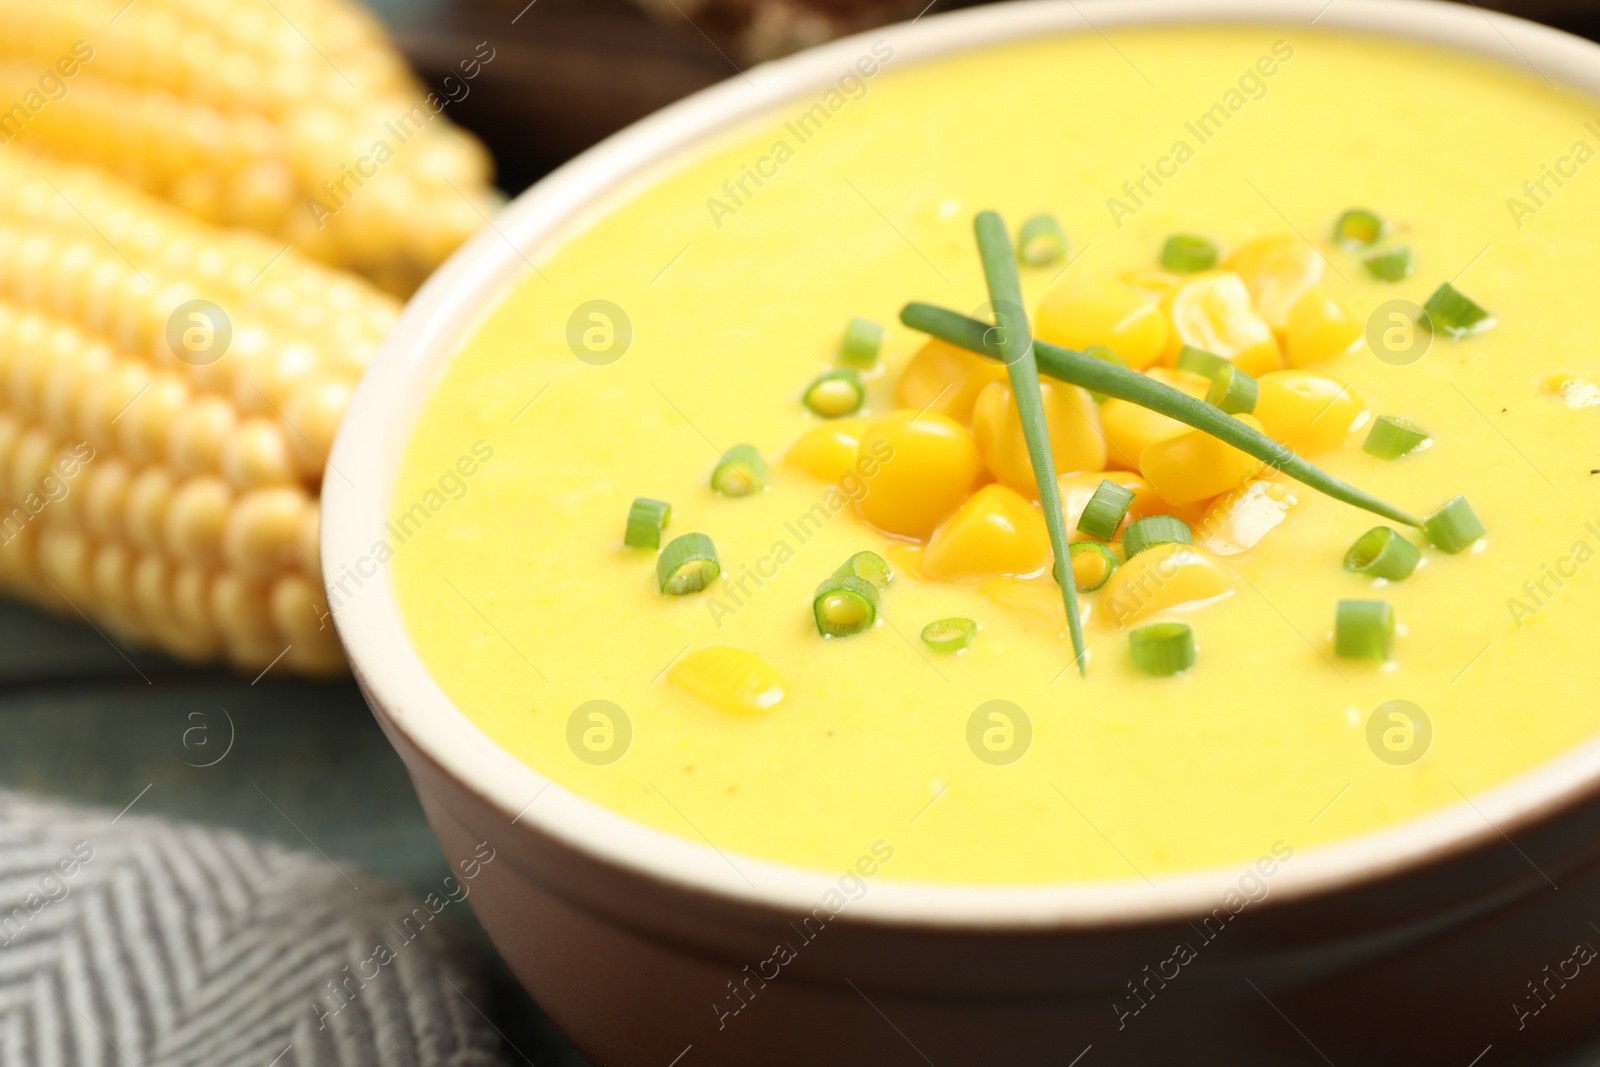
(736, 269)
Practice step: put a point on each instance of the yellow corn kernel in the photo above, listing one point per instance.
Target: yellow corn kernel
(262, 535)
(1153, 282)
(1213, 311)
(1161, 579)
(1237, 522)
(1308, 412)
(149, 494)
(1190, 465)
(1319, 328)
(1574, 390)
(105, 497)
(242, 609)
(1073, 421)
(256, 455)
(906, 561)
(917, 469)
(996, 532)
(311, 419)
(250, 136)
(110, 580)
(195, 518)
(1095, 310)
(946, 379)
(730, 679)
(1130, 429)
(828, 452)
(64, 555)
(1077, 489)
(300, 612)
(144, 424)
(198, 435)
(1277, 270)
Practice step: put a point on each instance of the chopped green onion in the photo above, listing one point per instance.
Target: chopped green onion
(1199, 361)
(1074, 368)
(1105, 509)
(835, 394)
(1454, 314)
(1022, 369)
(1392, 437)
(1092, 565)
(1382, 553)
(862, 339)
(1041, 242)
(1455, 526)
(1363, 629)
(646, 519)
(1233, 391)
(868, 566)
(741, 472)
(1391, 266)
(1104, 355)
(1184, 253)
(949, 635)
(687, 565)
(1153, 530)
(1162, 649)
(1359, 228)
(845, 605)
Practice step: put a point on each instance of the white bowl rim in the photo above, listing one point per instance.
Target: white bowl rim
(370, 443)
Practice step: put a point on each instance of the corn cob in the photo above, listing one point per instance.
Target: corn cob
(258, 115)
(170, 500)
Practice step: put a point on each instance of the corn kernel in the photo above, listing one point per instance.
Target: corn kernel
(946, 379)
(1212, 311)
(1161, 579)
(1073, 422)
(1103, 311)
(1276, 270)
(916, 470)
(1130, 429)
(1153, 282)
(195, 519)
(149, 494)
(997, 531)
(1190, 465)
(1319, 328)
(729, 679)
(828, 452)
(1040, 601)
(1238, 521)
(1308, 412)
(262, 535)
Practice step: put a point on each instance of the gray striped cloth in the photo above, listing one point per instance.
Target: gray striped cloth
(134, 942)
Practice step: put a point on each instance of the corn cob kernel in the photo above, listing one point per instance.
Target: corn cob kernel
(168, 498)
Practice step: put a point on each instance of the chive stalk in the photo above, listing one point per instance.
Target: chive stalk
(646, 519)
(1392, 437)
(1105, 509)
(949, 635)
(1153, 530)
(1359, 228)
(1454, 314)
(844, 605)
(1233, 391)
(1382, 553)
(1454, 527)
(1185, 253)
(1105, 355)
(868, 566)
(1016, 350)
(1092, 565)
(1199, 361)
(1363, 629)
(1075, 368)
(741, 472)
(1162, 649)
(687, 565)
(1391, 266)
(835, 394)
(1041, 241)
(862, 339)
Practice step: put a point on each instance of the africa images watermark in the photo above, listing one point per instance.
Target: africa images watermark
(851, 886)
(1252, 887)
(1252, 85)
(852, 85)
(1553, 577)
(52, 88)
(733, 593)
(1538, 192)
(450, 486)
(52, 887)
(52, 488)
(352, 176)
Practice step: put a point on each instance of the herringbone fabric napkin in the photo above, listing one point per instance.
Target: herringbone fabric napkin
(131, 942)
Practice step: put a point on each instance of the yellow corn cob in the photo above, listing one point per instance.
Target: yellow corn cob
(253, 114)
(170, 500)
